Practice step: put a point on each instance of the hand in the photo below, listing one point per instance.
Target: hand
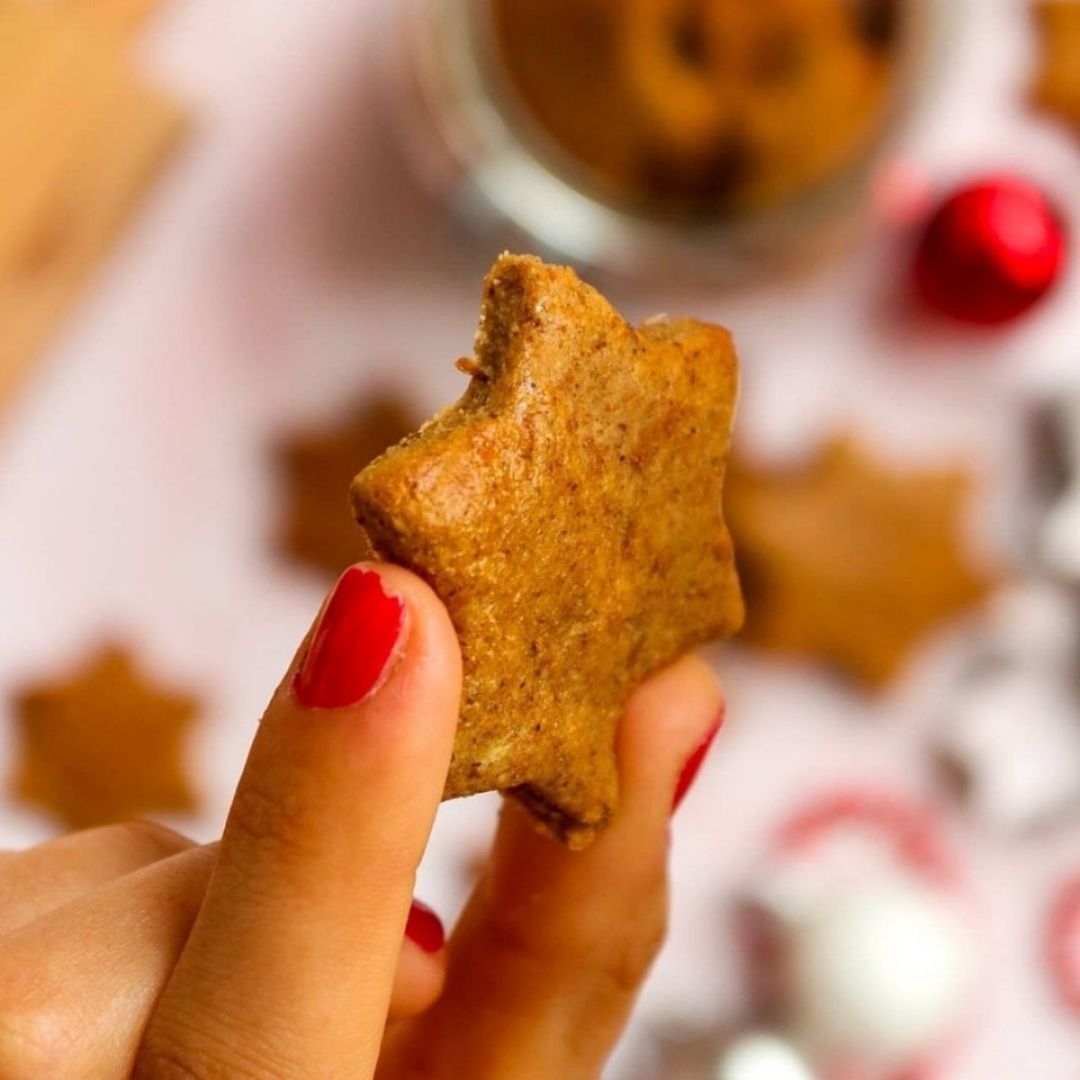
(292, 950)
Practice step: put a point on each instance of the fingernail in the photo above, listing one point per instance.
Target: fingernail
(694, 762)
(354, 644)
(425, 928)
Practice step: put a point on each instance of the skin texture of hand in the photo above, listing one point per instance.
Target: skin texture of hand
(292, 950)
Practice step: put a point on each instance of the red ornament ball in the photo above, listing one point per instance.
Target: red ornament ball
(990, 251)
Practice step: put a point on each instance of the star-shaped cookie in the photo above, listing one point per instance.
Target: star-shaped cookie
(568, 511)
(317, 529)
(1057, 85)
(104, 745)
(852, 562)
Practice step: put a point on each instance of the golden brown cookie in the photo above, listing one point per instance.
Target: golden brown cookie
(81, 137)
(318, 529)
(568, 511)
(852, 562)
(558, 60)
(1057, 86)
(750, 103)
(103, 745)
(671, 71)
(809, 91)
(677, 106)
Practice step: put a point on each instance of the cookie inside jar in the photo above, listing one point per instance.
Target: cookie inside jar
(698, 107)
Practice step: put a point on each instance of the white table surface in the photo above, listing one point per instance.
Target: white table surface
(287, 261)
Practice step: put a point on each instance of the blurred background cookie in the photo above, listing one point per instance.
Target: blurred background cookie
(82, 134)
(849, 561)
(702, 105)
(1057, 84)
(317, 466)
(103, 744)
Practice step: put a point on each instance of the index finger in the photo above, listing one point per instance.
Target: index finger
(289, 967)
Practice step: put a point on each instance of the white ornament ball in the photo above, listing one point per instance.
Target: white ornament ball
(762, 1056)
(879, 973)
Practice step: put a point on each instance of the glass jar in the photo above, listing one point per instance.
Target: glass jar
(601, 131)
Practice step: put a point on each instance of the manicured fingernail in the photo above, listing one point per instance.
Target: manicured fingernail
(354, 644)
(694, 762)
(425, 928)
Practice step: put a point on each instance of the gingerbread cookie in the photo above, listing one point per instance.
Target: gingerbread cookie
(794, 92)
(702, 105)
(318, 529)
(849, 561)
(568, 511)
(1057, 85)
(102, 745)
(82, 136)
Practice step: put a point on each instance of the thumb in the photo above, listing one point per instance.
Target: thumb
(289, 967)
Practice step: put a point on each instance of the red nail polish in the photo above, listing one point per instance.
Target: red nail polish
(353, 643)
(425, 928)
(694, 762)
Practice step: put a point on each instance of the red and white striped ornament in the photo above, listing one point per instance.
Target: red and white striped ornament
(857, 936)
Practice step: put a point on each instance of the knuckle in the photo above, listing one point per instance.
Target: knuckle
(624, 966)
(614, 962)
(512, 939)
(274, 820)
(161, 1060)
(178, 1048)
